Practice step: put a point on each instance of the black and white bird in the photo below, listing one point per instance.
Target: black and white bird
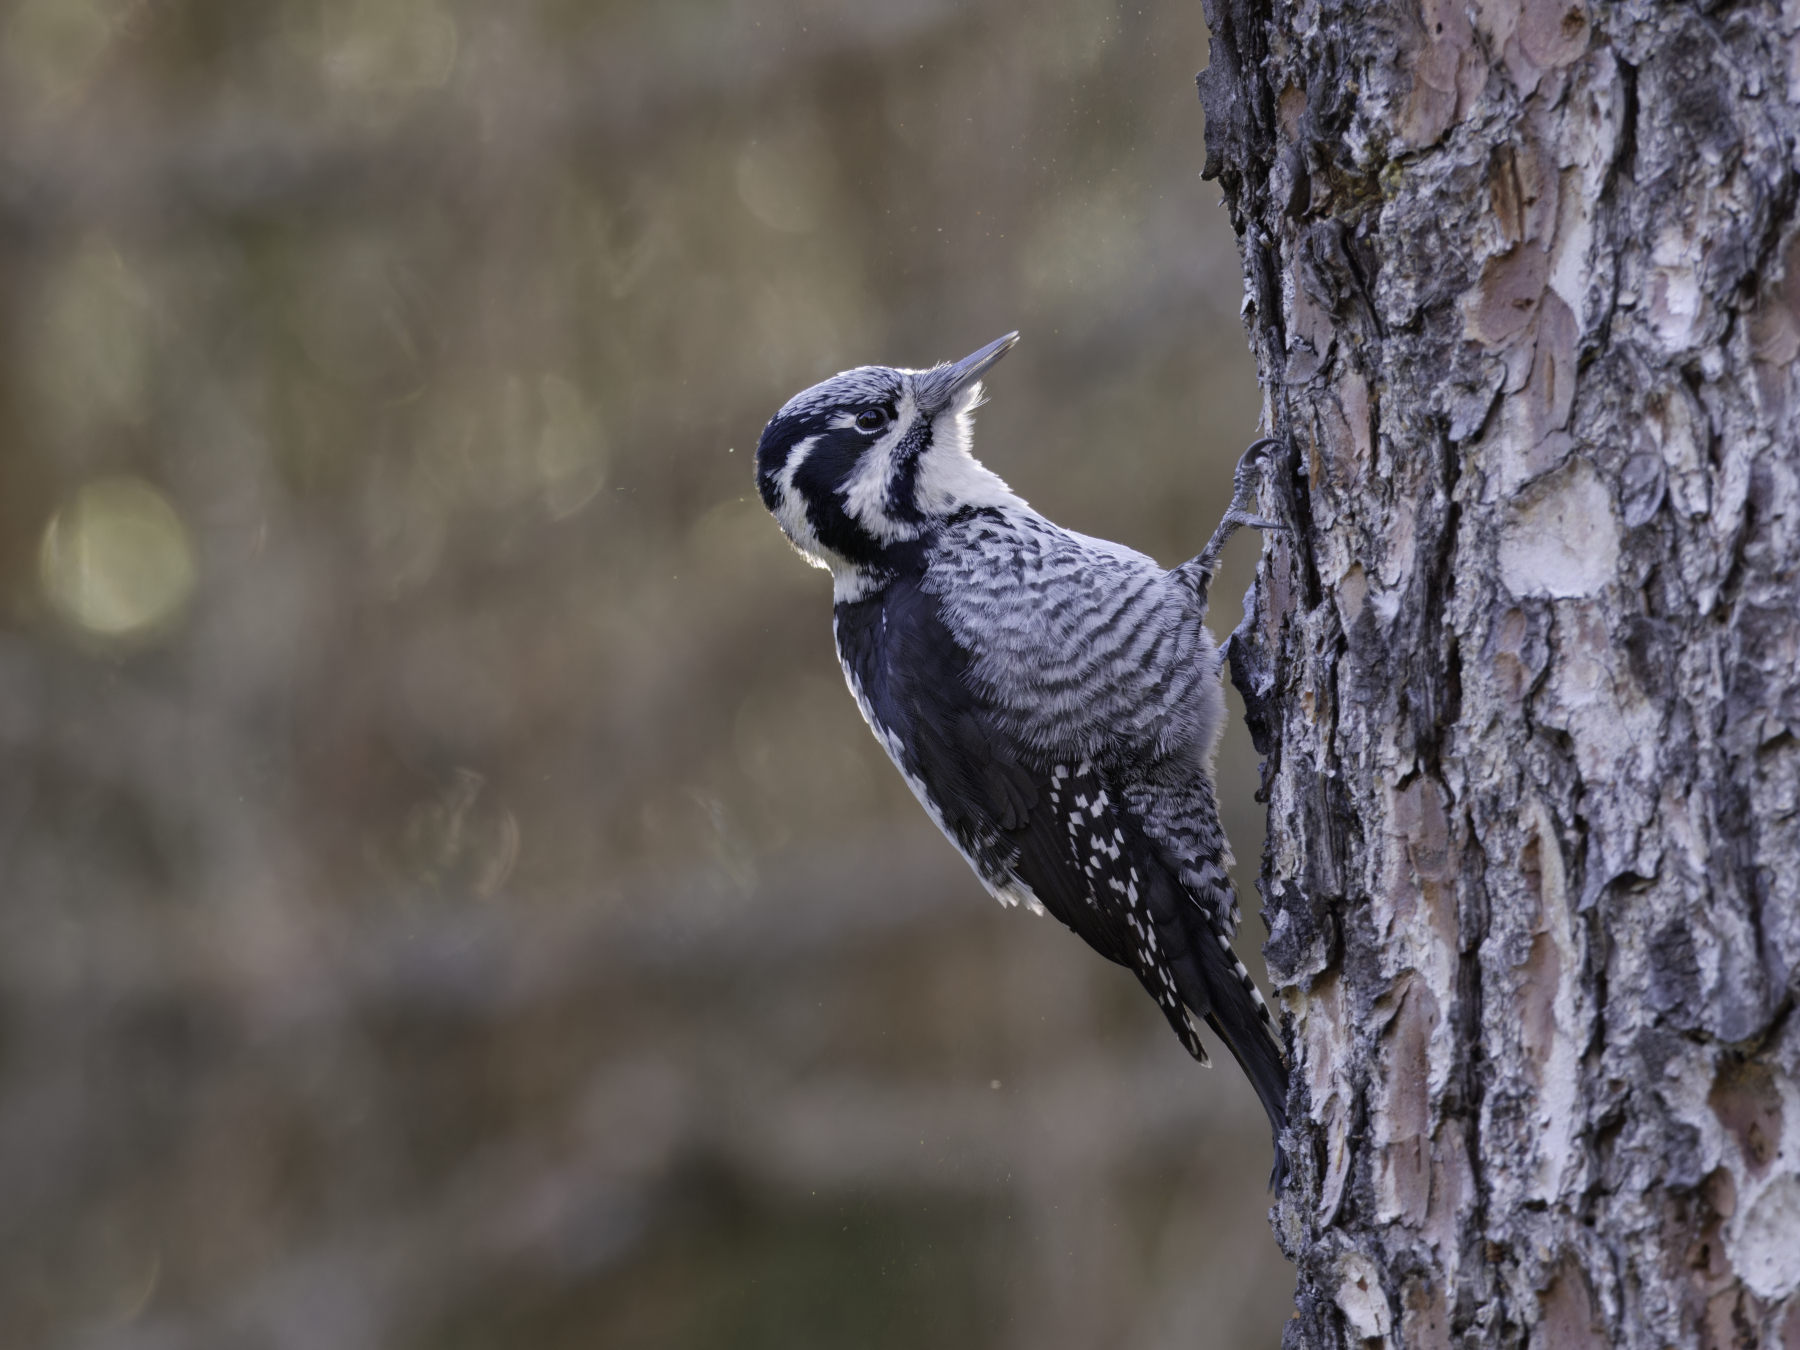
(1052, 699)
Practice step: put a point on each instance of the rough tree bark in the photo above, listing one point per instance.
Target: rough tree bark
(1523, 279)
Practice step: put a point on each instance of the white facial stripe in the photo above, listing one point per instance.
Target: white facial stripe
(851, 583)
(784, 478)
(790, 507)
(865, 496)
(949, 476)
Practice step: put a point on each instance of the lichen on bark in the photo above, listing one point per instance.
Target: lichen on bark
(1523, 281)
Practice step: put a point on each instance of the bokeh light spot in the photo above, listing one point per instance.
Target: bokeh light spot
(391, 46)
(92, 347)
(54, 46)
(782, 182)
(116, 560)
(557, 438)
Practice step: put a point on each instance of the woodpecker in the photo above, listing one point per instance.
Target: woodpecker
(1052, 699)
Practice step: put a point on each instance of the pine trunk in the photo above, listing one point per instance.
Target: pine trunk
(1523, 280)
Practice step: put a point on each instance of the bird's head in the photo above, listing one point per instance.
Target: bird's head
(860, 469)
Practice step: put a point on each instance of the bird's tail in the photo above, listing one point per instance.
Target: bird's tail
(1215, 986)
(1262, 1064)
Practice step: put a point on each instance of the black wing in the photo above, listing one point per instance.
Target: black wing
(911, 677)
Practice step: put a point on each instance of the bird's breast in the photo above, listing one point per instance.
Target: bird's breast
(1083, 648)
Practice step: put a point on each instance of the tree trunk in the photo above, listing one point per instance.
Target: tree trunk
(1523, 280)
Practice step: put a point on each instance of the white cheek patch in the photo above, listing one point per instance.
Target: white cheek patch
(949, 476)
(866, 491)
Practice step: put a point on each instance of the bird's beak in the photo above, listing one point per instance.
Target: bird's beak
(946, 382)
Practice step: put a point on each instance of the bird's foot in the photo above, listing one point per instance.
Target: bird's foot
(1240, 515)
(1244, 484)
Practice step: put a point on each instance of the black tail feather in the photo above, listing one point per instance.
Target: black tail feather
(1263, 1066)
(1215, 986)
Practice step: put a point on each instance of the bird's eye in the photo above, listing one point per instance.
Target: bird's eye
(871, 419)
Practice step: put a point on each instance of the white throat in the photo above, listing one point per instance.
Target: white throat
(950, 477)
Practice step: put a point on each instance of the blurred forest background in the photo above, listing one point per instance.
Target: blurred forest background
(447, 896)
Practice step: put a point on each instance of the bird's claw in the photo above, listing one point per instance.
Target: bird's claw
(1248, 521)
(1257, 450)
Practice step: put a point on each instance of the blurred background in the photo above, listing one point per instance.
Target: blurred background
(447, 896)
